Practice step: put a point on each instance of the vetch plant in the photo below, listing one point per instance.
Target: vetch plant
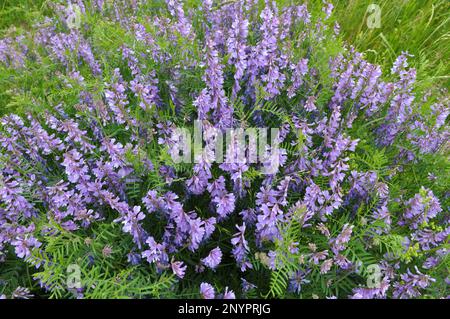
(102, 173)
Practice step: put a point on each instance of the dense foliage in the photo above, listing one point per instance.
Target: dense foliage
(359, 206)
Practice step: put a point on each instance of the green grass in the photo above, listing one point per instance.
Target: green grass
(20, 13)
(421, 27)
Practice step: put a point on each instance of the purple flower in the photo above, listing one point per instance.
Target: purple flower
(21, 293)
(156, 253)
(134, 258)
(217, 187)
(421, 208)
(339, 243)
(222, 111)
(207, 291)
(210, 226)
(328, 9)
(76, 169)
(248, 216)
(23, 245)
(131, 224)
(299, 71)
(213, 259)
(236, 47)
(247, 286)
(240, 248)
(197, 232)
(116, 98)
(372, 293)
(411, 284)
(266, 225)
(318, 256)
(183, 25)
(431, 262)
(228, 294)
(265, 55)
(13, 52)
(196, 184)
(266, 196)
(152, 201)
(428, 239)
(326, 266)
(297, 280)
(178, 268)
(11, 196)
(224, 204)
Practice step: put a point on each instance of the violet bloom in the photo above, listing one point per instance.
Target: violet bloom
(213, 259)
(116, 151)
(328, 9)
(40, 139)
(197, 232)
(309, 105)
(224, 204)
(134, 258)
(299, 71)
(318, 256)
(183, 25)
(247, 286)
(214, 78)
(421, 208)
(228, 294)
(382, 214)
(372, 293)
(156, 252)
(267, 51)
(431, 262)
(197, 184)
(24, 244)
(248, 216)
(326, 266)
(11, 54)
(428, 238)
(236, 47)
(76, 169)
(71, 128)
(152, 201)
(240, 248)
(131, 224)
(411, 284)
(116, 98)
(210, 226)
(217, 187)
(143, 36)
(266, 225)
(207, 291)
(16, 204)
(297, 280)
(267, 196)
(178, 268)
(339, 243)
(22, 293)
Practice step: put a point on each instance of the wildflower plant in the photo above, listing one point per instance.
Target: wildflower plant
(89, 176)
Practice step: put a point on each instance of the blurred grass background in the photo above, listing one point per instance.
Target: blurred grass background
(20, 13)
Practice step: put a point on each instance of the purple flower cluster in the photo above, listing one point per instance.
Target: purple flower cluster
(106, 159)
(13, 52)
(421, 208)
(208, 292)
